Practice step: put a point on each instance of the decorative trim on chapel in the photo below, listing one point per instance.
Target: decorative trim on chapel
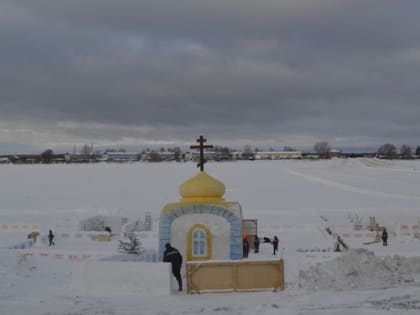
(166, 219)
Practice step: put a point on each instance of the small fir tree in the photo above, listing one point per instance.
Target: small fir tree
(131, 246)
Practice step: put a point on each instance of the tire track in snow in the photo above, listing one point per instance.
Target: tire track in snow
(348, 188)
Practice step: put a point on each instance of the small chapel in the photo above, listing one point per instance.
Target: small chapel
(202, 225)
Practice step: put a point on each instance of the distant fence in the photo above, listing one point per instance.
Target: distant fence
(92, 235)
(65, 255)
(246, 275)
(71, 227)
(149, 255)
(95, 236)
(20, 227)
(369, 235)
(404, 231)
(22, 245)
(410, 231)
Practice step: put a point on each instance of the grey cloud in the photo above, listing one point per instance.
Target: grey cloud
(241, 71)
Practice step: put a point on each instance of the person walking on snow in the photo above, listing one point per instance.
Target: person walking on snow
(256, 244)
(173, 256)
(385, 237)
(51, 237)
(275, 243)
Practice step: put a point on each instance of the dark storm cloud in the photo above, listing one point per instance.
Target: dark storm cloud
(273, 72)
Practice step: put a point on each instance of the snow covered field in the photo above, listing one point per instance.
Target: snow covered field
(295, 200)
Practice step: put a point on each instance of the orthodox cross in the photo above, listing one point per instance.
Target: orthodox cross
(201, 146)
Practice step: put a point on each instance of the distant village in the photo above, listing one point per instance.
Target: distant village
(87, 155)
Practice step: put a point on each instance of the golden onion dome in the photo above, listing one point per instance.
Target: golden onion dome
(202, 187)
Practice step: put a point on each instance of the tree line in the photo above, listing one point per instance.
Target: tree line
(386, 151)
(322, 149)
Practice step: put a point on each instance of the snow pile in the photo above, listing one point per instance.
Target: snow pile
(360, 268)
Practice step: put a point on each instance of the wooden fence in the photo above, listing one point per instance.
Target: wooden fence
(244, 275)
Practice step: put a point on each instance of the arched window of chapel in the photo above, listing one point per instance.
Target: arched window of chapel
(199, 243)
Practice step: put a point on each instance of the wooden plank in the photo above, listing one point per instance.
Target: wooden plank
(235, 276)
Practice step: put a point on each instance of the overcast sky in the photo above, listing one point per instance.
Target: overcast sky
(162, 72)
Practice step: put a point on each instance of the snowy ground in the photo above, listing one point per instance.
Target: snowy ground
(295, 200)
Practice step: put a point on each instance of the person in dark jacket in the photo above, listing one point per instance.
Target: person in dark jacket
(245, 247)
(51, 237)
(173, 256)
(385, 237)
(256, 244)
(337, 247)
(275, 243)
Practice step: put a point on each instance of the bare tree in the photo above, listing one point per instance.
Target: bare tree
(322, 148)
(387, 151)
(155, 157)
(222, 153)
(177, 152)
(247, 152)
(47, 156)
(405, 151)
(136, 226)
(288, 148)
(86, 150)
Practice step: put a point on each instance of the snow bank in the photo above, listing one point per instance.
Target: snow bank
(23, 275)
(360, 268)
(122, 278)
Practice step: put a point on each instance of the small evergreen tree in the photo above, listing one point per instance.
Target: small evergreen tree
(418, 150)
(131, 246)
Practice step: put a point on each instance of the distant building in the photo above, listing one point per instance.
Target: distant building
(120, 156)
(334, 153)
(195, 156)
(4, 160)
(154, 156)
(278, 155)
(236, 155)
